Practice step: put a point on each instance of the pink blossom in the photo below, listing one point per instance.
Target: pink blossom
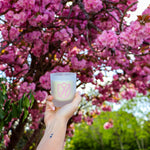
(107, 39)
(76, 64)
(4, 5)
(96, 102)
(64, 34)
(45, 80)
(70, 131)
(35, 35)
(108, 125)
(28, 4)
(65, 68)
(99, 76)
(9, 55)
(13, 33)
(45, 18)
(134, 7)
(116, 1)
(5, 34)
(115, 77)
(36, 115)
(8, 72)
(133, 36)
(3, 67)
(78, 118)
(20, 71)
(32, 21)
(95, 112)
(40, 95)
(146, 70)
(88, 120)
(19, 18)
(141, 87)
(9, 15)
(93, 6)
(146, 11)
(106, 108)
(38, 49)
(147, 30)
(6, 139)
(26, 87)
(128, 94)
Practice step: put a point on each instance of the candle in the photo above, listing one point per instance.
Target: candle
(63, 87)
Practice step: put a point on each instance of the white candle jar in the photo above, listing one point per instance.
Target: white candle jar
(63, 87)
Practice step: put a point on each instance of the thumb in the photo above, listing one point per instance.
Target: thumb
(77, 99)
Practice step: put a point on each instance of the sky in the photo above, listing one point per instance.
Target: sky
(142, 5)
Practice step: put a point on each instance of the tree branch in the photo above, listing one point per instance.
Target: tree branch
(87, 38)
(80, 4)
(143, 54)
(20, 35)
(121, 23)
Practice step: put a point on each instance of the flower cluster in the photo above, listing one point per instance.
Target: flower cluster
(108, 125)
(45, 80)
(40, 95)
(26, 87)
(106, 108)
(36, 115)
(93, 6)
(107, 39)
(76, 64)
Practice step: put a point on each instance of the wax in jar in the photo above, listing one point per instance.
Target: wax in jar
(63, 90)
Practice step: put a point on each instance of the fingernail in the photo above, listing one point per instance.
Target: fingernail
(53, 108)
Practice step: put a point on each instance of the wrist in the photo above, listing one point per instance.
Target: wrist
(57, 121)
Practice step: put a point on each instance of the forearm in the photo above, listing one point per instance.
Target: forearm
(54, 136)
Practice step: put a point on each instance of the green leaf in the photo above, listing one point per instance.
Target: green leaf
(2, 114)
(8, 119)
(1, 125)
(32, 100)
(26, 103)
(25, 114)
(1, 98)
(21, 102)
(7, 105)
(4, 89)
(14, 111)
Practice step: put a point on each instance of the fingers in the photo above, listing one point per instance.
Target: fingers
(77, 99)
(49, 98)
(49, 104)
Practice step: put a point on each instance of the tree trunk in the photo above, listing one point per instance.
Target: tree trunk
(121, 145)
(16, 134)
(35, 137)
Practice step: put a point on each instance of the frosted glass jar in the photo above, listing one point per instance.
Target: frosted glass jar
(63, 87)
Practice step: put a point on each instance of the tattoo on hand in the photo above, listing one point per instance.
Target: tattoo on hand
(51, 135)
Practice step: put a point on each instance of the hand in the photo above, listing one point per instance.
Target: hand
(63, 113)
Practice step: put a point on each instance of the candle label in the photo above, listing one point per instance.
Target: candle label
(64, 89)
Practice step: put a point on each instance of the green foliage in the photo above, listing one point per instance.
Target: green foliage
(126, 134)
(12, 109)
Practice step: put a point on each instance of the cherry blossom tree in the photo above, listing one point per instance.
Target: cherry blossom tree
(89, 37)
